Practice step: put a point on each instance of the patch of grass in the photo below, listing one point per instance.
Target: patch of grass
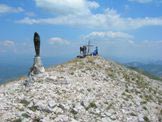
(72, 73)
(91, 105)
(159, 100)
(126, 86)
(36, 119)
(33, 108)
(161, 112)
(143, 102)
(75, 60)
(25, 115)
(93, 75)
(144, 107)
(89, 68)
(152, 90)
(151, 76)
(24, 102)
(89, 89)
(39, 81)
(133, 114)
(110, 73)
(106, 102)
(140, 96)
(90, 59)
(148, 97)
(126, 90)
(129, 96)
(126, 76)
(73, 112)
(99, 66)
(84, 71)
(123, 93)
(141, 82)
(81, 63)
(146, 119)
(109, 106)
(17, 120)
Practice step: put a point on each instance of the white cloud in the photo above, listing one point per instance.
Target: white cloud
(141, 1)
(78, 13)
(30, 14)
(93, 4)
(7, 43)
(58, 46)
(108, 35)
(109, 20)
(123, 45)
(67, 7)
(8, 46)
(58, 41)
(7, 9)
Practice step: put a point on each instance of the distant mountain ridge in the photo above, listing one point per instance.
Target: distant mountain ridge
(154, 68)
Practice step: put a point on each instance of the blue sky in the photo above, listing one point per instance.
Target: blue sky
(123, 29)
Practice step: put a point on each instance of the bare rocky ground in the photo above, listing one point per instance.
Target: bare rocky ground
(83, 90)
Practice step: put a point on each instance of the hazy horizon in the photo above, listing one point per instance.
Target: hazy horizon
(19, 66)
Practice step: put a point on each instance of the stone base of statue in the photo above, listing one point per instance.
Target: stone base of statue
(37, 67)
(37, 71)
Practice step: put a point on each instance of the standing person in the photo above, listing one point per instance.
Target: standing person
(96, 50)
(84, 51)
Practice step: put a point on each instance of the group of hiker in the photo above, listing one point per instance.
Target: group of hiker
(84, 51)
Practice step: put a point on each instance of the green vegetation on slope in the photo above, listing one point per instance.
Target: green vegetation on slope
(145, 73)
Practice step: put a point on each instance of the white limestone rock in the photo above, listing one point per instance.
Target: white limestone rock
(89, 89)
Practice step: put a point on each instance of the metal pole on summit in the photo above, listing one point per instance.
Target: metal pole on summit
(89, 46)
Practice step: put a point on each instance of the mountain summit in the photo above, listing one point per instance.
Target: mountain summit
(83, 90)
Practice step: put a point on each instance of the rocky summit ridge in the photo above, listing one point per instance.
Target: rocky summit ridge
(83, 90)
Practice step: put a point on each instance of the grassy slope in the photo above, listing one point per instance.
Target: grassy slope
(145, 73)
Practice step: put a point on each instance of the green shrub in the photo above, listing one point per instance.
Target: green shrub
(133, 114)
(146, 119)
(24, 102)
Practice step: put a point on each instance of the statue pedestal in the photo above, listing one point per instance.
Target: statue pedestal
(37, 67)
(37, 72)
